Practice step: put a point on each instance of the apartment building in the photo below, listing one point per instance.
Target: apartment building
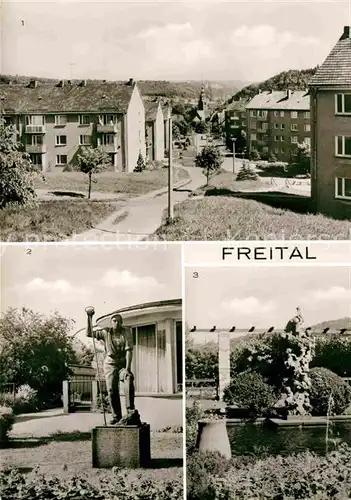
(235, 118)
(330, 90)
(277, 121)
(55, 120)
(154, 131)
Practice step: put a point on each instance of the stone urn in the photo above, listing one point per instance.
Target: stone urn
(212, 436)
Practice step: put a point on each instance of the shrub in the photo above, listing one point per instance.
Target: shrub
(250, 390)
(25, 399)
(201, 467)
(193, 414)
(254, 155)
(140, 166)
(247, 173)
(6, 423)
(334, 353)
(323, 384)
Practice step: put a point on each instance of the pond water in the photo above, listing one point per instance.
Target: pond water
(260, 439)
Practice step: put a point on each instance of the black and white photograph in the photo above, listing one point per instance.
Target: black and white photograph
(91, 372)
(125, 121)
(268, 382)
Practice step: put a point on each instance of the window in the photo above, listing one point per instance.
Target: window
(262, 113)
(282, 150)
(60, 120)
(282, 126)
(276, 137)
(265, 137)
(307, 140)
(85, 140)
(253, 125)
(36, 159)
(265, 149)
(343, 103)
(107, 139)
(35, 120)
(293, 115)
(61, 140)
(265, 126)
(84, 119)
(294, 139)
(342, 145)
(276, 113)
(61, 159)
(34, 140)
(276, 125)
(107, 119)
(307, 115)
(276, 150)
(282, 114)
(343, 188)
(307, 128)
(281, 138)
(112, 158)
(253, 137)
(252, 113)
(234, 114)
(294, 126)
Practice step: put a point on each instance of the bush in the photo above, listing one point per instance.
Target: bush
(200, 468)
(323, 384)
(250, 390)
(6, 423)
(140, 166)
(14, 485)
(193, 414)
(247, 173)
(26, 400)
(254, 155)
(334, 353)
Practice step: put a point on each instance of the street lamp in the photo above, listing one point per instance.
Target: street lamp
(233, 139)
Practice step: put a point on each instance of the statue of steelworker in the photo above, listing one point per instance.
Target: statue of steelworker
(118, 344)
(294, 324)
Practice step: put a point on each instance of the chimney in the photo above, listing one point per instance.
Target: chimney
(131, 82)
(288, 93)
(346, 33)
(33, 84)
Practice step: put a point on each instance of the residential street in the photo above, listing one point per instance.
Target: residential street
(144, 214)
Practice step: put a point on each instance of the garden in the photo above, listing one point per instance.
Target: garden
(285, 416)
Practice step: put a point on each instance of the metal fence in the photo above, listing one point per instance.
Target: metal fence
(7, 392)
(206, 388)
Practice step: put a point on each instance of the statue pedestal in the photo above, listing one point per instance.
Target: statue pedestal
(122, 446)
(212, 436)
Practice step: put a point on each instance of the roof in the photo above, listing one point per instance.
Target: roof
(48, 98)
(151, 108)
(238, 105)
(336, 69)
(144, 306)
(278, 99)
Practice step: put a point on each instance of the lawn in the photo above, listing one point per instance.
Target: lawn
(52, 220)
(128, 185)
(226, 180)
(230, 218)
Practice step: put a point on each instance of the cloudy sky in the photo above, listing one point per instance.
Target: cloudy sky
(69, 278)
(231, 40)
(266, 296)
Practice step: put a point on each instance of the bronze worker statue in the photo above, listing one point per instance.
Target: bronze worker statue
(118, 343)
(295, 323)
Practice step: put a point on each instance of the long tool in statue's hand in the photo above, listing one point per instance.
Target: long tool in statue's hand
(90, 313)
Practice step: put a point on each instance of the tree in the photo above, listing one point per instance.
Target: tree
(140, 166)
(91, 161)
(201, 127)
(36, 350)
(301, 163)
(83, 353)
(247, 173)
(210, 160)
(16, 170)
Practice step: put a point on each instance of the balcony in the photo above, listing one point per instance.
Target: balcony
(106, 129)
(37, 148)
(35, 129)
(109, 148)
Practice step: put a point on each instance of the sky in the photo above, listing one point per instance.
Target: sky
(265, 296)
(231, 40)
(69, 278)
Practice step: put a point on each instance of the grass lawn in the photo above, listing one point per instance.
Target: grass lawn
(129, 185)
(69, 454)
(52, 220)
(230, 218)
(226, 180)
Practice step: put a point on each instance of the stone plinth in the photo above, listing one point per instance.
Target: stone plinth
(122, 446)
(212, 436)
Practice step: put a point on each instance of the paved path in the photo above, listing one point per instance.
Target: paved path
(144, 213)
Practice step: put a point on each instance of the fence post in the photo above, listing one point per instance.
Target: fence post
(94, 395)
(65, 396)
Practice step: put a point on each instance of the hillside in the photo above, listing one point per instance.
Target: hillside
(162, 88)
(293, 79)
(335, 324)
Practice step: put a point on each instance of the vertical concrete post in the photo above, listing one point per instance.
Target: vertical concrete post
(65, 396)
(94, 395)
(223, 361)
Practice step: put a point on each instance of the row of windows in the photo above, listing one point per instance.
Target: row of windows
(261, 113)
(294, 138)
(61, 160)
(61, 140)
(61, 120)
(293, 127)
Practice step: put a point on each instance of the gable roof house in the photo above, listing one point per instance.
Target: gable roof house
(330, 90)
(55, 120)
(154, 131)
